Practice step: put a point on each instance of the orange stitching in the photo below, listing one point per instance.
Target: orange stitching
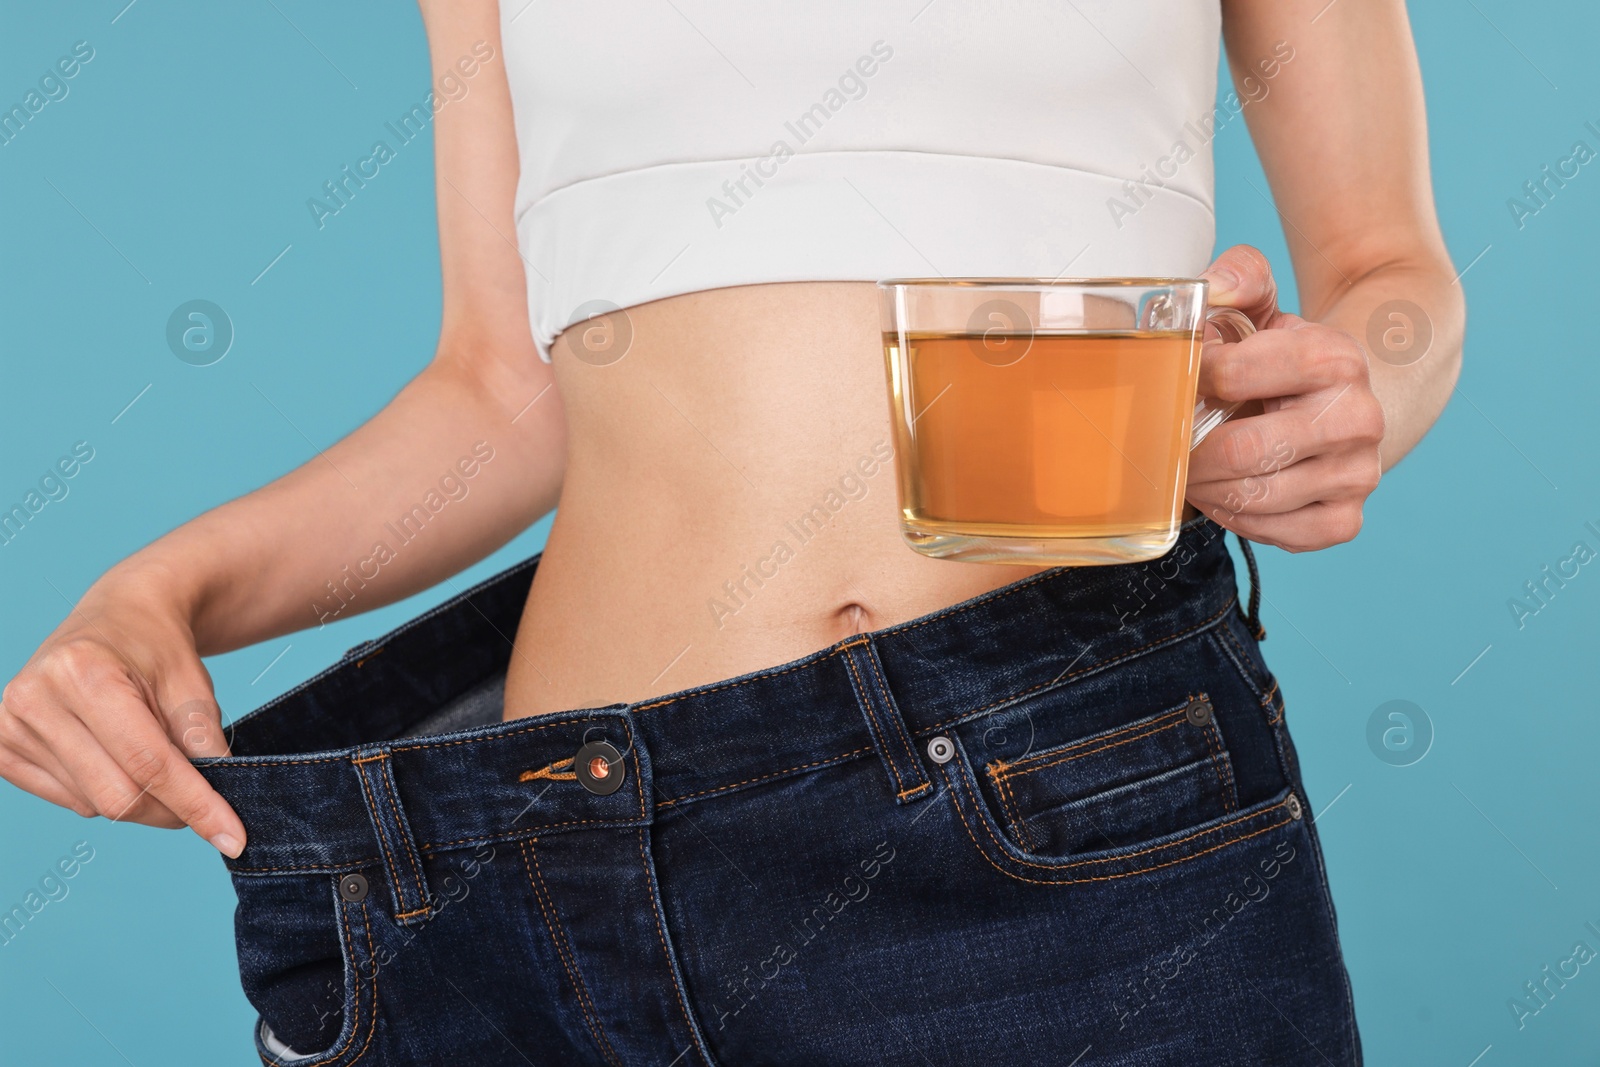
(893, 711)
(666, 954)
(362, 662)
(1208, 731)
(557, 939)
(1001, 771)
(1009, 802)
(568, 961)
(1202, 624)
(1103, 877)
(857, 643)
(400, 828)
(413, 914)
(1012, 772)
(372, 1027)
(370, 759)
(1112, 858)
(638, 778)
(775, 774)
(1008, 769)
(378, 829)
(1276, 716)
(355, 1018)
(1125, 855)
(923, 788)
(549, 772)
(546, 772)
(877, 731)
(1147, 721)
(1227, 765)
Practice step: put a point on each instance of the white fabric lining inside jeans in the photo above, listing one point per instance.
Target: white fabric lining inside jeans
(482, 705)
(276, 1047)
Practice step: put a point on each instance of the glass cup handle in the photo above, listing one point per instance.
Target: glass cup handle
(1209, 414)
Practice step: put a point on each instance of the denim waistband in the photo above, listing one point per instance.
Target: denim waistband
(332, 776)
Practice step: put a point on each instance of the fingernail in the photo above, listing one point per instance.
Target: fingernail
(228, 845)
(1222, 279)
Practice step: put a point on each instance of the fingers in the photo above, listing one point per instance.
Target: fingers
(1331, 477)
(1315, 526)
(1297, 474)
(41, 783)
(22, 748)
(1296, 358)
(82, 719)
(1254, 446)
(97, 775)
(140, 747)
(1309, 426)
(1242, 278)
(1295, 478)
(197, 724)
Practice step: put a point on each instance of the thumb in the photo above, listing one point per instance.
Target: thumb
(1242, 278)
(193, 716)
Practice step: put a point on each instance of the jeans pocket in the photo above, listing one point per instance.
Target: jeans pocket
(307, 966)
(1126, 801)
(1118, 787)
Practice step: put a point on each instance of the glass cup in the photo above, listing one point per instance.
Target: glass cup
(1047, 422)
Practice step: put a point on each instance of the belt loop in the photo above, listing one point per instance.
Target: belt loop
(1253, 617)
(408, 885)
(890, 737)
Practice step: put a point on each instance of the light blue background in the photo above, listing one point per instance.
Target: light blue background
(178, 168)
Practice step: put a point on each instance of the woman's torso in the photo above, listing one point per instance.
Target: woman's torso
(729, 502)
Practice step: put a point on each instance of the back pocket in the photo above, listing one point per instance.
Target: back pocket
(1158, 775)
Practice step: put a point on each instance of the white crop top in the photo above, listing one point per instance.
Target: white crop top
(670, 147)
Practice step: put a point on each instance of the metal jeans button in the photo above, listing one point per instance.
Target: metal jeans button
(599, 768)
(941, 749)
(353, 887)
(1293, 804)
(1199, 710)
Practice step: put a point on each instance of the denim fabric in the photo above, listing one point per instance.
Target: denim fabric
(1060, 823)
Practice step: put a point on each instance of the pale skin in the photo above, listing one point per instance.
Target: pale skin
(734, 411)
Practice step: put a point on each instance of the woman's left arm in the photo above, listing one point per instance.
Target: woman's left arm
(1352, 386)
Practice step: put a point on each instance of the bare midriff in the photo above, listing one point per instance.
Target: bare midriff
(729, 502)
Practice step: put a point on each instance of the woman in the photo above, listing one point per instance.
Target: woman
(1002, 815)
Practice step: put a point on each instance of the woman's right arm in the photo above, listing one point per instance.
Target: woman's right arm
(107, 713)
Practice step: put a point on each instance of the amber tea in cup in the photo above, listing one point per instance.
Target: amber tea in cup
(1047, 422)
